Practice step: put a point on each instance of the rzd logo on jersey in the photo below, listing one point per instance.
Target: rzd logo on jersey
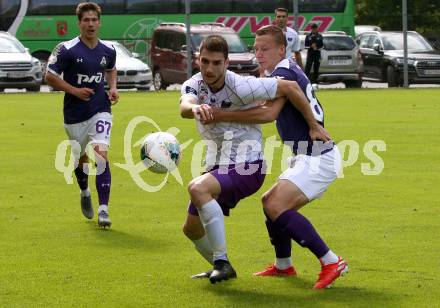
(89, 79)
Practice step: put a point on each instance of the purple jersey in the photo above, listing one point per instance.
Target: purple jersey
(291, 125)
(83, 67)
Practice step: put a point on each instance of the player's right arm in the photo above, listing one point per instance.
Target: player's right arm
(58, 62)
(61, 85)
(189, 109)
(189, 103)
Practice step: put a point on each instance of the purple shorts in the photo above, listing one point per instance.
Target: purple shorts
(236, 182)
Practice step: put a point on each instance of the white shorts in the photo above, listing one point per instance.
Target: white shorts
(313, 174)
(95, 130)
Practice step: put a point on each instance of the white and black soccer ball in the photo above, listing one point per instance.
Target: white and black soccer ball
(160, 152)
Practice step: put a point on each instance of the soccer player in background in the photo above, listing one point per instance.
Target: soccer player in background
(292, 38)
(233, 172)
(78, 67)
(314, 167)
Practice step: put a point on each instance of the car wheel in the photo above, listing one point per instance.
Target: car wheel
(392, 77)
(158, 82)
(33, 89)
(353, 83)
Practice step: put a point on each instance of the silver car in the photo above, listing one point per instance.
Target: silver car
(340, 59)
(18, 69)
(132, 72)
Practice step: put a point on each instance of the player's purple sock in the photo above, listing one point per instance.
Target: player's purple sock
(103, 183)
(301, 231)
(280, 241)
(82, 178)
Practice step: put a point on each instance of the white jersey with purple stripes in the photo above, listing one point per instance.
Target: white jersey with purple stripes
(234, 142)
(291, 125)
(81, 66)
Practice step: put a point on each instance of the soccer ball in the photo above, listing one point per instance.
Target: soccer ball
(160, 152)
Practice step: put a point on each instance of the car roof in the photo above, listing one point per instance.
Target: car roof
(196, 28)
(385, 32)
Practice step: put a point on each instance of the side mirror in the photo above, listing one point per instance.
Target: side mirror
(377, 48)
(135, 54)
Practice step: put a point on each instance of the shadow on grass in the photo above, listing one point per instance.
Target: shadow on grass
(113, 238)
(302, 294)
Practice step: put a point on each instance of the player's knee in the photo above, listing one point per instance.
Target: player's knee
(272, 207)
(196, 189)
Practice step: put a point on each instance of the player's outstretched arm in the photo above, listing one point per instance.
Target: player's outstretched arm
(59, 84)
(265, 113)
(296, 96)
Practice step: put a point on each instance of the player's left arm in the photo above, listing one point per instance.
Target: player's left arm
(295, 95)
(111, 77)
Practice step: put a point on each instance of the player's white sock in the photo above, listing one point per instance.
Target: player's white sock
(283, 263)
(329, 258)
(85, 192)
(211, 216)
(204, 248)
(103, 207)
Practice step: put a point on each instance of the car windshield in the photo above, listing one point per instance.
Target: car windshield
(235, 44)
(338, 43)
(394, 41)
(10, 46)
(121, 51)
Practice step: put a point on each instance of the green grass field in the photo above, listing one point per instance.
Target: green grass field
(386, 226)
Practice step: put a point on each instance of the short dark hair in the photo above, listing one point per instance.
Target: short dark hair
(215, 43)
(281, 9)
(87, 6)
(314, 26)
(274, 32)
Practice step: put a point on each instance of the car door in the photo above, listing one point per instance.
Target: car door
(367, 54)
(376, 57)
(180, 58)
(165, 54)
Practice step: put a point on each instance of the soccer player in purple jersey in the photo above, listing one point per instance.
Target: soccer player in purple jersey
(232, 174)
(315, 166)
(78, 67)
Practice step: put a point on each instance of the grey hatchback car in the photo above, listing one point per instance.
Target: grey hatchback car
(340, 59)
(18, 69)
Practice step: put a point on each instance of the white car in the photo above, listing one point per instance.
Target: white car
(132, 72)
(18, 69)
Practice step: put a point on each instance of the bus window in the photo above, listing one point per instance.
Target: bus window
(52, 7)
(258, 6)
(152, 6)
(207, 7)
(111, 7)
(320, 5)
(8, 12)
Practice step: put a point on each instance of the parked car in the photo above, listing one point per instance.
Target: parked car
(340, 59)
(168, 52)
(18, 69)
(382, 54)
(358, 30)
(132, 72)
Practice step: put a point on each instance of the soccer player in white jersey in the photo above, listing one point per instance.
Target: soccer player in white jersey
(314, 167)
(78, 67)
(233, 170)
(292, 38)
